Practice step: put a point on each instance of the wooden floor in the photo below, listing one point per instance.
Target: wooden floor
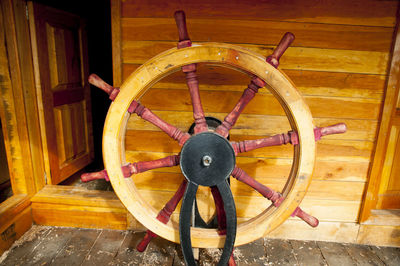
(70, 246)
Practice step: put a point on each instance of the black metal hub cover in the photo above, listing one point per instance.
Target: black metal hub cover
(207, 159)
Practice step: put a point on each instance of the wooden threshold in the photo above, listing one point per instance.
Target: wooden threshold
(78, 207)
(382, 229)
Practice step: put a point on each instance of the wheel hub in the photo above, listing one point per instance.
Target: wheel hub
(207, 159)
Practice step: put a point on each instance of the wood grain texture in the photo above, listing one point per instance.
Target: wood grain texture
(62, 72)
(381, 235)
(258, 125)
(388, 112)
(296, 58)
(116, 37)
(15, 219)
(372, 13)
(313, 83)
(347, 37)
(179, 100)
(20, 122)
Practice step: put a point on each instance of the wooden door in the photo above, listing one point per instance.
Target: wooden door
(389, 190)
(60, 59)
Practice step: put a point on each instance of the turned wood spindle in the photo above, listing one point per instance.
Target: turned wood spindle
(193, 85)
(87, 177)
(191, 77)
(285, 138)
(275, 197)
(286, 40)
(140, 167)
(329, 130)
(134, 168)
(149, 116)
(248, 94)
(180, 19)
(164, 215)
(100, 83)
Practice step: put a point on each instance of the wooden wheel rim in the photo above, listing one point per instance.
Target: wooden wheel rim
(170, 61)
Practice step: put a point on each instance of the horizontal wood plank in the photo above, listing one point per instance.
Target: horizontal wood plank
(343, 150)
(309, 83)
(364, 38)
(76, 196)
(319, 189)
(273, 167)
(259, 125)
(359, 12)
(326, 231)
(379, 235)
(295, 58)
(262, 104)
(78, 216)
(15, 227)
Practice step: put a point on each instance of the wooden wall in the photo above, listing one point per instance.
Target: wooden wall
(339, 61)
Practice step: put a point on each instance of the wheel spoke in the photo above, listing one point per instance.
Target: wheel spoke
(191, 77)
(247, 96)
(140, 167)
(285, 138)
(275, 197)
(134, 168)
(193, 85)
(164, 215)
(149, 116)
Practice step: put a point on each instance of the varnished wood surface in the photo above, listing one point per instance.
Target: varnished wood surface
(63, 90)
(67, 246)
(381, 167)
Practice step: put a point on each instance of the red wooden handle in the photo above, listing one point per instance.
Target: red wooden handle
(285, 42)
(272, 195)
(100, 83)
(180, 20)
(232, 261)
(145, 241)
(311, 220)
(164, 215)
(87, 177)
(329, 130)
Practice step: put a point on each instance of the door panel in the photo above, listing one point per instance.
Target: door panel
(62, 66)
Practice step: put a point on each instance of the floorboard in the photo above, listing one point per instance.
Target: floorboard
(49, 247)
(76, 249)
(105, 248)
(43, 245)
(307, 253)
(335, 253)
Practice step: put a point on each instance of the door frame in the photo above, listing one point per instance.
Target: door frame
(370, 197)
(18, 110)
